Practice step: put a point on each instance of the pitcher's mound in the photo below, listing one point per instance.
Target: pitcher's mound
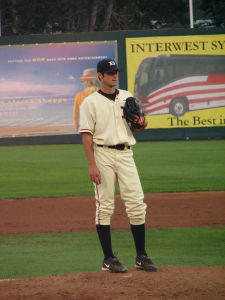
(169, 283)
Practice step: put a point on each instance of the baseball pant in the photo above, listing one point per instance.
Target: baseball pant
(118, 167)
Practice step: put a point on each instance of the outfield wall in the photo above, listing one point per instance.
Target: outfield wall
(208, 124)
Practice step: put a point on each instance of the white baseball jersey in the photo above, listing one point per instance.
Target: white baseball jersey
(103, 118)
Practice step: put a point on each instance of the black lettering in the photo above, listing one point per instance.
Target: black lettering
(188, 46)
(182, 122)
(221, 44)
(196, 120)
(214, 45)
(141, 47)
(203, 44)
(171, 121)
(204, 122)
(195, 46)
(222, 121)
(175, 121)
(159, 47)
(210, 121)
(178, 46)
(149, 45)
(179, 122)
(168, 47)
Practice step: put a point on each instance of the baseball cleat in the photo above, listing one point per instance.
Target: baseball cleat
(145, 263)
(113, 265)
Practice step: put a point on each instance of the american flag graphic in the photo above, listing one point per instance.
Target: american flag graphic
(190, 93)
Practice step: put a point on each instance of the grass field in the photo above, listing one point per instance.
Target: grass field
(63, 253)
(62, 170)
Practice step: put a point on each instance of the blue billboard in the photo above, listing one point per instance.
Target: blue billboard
(38, 85)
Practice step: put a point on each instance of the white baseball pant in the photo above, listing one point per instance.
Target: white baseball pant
(118, 166)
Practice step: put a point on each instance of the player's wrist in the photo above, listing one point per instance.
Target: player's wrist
(92, 164)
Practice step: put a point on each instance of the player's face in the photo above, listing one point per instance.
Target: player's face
(110, 79)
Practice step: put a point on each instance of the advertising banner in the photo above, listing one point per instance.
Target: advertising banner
(179, 81)
(42, 86)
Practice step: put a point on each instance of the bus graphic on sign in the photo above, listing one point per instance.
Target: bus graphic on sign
(176, 84)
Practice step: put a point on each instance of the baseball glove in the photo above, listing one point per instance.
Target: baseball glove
(132, 113)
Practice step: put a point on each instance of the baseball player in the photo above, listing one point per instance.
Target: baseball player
(108, 140)
(90, 83)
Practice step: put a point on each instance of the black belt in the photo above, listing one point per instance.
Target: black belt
(117, 147)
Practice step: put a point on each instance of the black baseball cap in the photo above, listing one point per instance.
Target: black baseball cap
(107, 66)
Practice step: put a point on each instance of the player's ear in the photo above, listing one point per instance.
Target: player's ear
(100, 76)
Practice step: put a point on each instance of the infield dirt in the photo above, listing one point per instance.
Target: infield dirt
(52, 215)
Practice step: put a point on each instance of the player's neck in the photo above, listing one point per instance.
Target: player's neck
(108, 89)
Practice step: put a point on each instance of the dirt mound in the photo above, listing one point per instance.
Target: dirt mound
(183, 283)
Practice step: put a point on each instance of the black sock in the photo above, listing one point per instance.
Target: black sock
(104, 235)
(138, 232)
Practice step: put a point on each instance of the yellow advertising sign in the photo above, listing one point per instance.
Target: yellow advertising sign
(178, 80)
(202, 118)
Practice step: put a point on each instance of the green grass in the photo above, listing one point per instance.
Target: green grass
(181, 166)
(62, 170)
(42, 171)
(48, 254)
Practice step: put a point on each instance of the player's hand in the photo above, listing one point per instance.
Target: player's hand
(136, 130)
(94, 174)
